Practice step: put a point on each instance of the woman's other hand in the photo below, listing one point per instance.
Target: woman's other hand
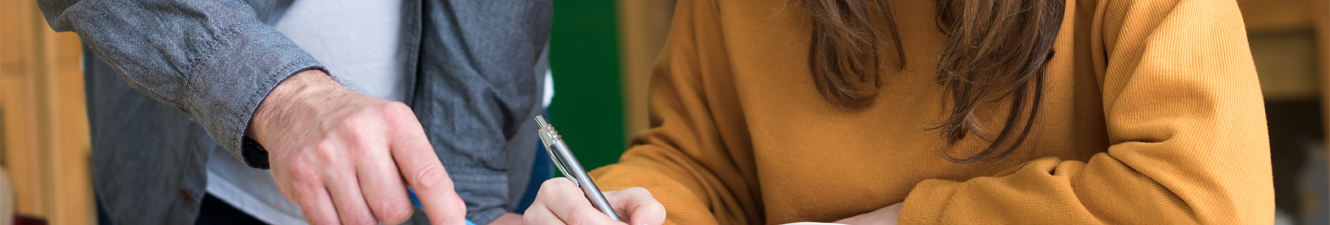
(561, 202)
(884, 216)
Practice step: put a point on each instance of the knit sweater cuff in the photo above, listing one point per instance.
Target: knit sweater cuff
(926, 202)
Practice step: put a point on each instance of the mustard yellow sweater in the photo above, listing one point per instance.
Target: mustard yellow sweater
(1152, 114)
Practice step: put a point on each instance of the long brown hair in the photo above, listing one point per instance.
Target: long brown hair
(995, 49)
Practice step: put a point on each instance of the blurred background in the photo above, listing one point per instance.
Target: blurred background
(602, 52)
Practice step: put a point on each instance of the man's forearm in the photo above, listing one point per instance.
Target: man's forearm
(215, 64)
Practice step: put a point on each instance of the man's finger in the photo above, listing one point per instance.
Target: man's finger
(344, 189)
(315, 203)
(382, 187)
(570, 205)
(424, 173)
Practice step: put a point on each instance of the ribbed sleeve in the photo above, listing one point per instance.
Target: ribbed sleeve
(681, 159)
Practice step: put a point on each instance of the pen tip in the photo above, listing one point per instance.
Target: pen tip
(540, 120)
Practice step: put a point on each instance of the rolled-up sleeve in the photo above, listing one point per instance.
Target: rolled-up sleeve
(213, 60)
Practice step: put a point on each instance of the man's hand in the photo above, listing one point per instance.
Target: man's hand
(562, 202)
(342, 156)
(884, 216)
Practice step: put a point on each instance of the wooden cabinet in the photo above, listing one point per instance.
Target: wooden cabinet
(644, 26)
(44, 142)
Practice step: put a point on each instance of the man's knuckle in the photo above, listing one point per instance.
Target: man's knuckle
(399, 113)
(326, 151)
(396, 212)
(396, 108)
(430, 177)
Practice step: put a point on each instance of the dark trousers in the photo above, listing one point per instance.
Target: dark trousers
(213, 211)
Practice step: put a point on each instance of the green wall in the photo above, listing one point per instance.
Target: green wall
(584, 55)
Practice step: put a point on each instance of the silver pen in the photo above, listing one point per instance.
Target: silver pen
(564, 160)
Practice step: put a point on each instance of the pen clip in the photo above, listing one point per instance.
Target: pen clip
(550, 138)
(559, 163)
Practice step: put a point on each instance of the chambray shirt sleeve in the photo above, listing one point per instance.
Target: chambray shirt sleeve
(212, 59)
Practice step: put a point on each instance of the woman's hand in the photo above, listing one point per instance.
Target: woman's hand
(884, 216)
(561, 202)
(508, 219)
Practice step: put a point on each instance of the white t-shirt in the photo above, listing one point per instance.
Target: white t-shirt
(358, 42)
